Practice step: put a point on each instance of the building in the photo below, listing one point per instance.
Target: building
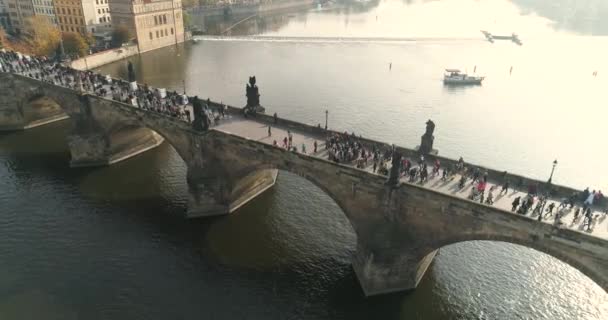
(70, 15)
(45, 9)
(19, 11)
(97, 16)
(101, 21)
(5, 21)
(83, 16)
(154, 23)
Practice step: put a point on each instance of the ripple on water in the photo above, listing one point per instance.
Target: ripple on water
(520, 282)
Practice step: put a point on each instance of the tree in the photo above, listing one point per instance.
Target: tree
(42, 37)
(3, 39)
(75, 44)
(120, 35)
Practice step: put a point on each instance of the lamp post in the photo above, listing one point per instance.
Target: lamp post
(552, 171)
(326, 115)
(61, 49)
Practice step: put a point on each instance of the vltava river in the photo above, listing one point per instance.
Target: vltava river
(111, 243)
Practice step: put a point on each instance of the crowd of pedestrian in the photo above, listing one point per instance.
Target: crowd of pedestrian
(172, 104)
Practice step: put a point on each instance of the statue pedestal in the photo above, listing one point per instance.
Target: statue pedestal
(433, 152)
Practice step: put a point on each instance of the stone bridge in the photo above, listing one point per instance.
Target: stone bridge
(399, 227)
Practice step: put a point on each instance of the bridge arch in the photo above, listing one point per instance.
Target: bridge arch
(317, 182)
(589, 268)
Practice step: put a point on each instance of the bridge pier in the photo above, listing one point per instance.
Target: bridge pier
(22, 109)
(389, 270)
(100, 149)
(213, 195)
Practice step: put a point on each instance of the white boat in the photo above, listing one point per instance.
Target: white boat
(457, 77)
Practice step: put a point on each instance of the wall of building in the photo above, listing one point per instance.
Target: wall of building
(5, 21)
(19, 12)
(104, 57)
(159, 24)
(70, 15)
(45, 8)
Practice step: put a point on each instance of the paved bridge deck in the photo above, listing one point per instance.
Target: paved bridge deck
(257, 130)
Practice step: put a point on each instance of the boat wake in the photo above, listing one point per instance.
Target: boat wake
(330, 39)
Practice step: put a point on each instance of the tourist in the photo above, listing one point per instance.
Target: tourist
(576, 213)
(269, 131)
(490, 199)
(303, 148)
(314, 146)
(515, 203)
(590, 198)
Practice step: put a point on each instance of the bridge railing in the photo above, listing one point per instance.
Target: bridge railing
(515, 181)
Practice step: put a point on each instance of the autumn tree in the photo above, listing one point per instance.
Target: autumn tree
(75, 44)
(120, 35)
(3, 39)
(42, 37)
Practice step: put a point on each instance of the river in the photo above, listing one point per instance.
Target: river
(111, 243)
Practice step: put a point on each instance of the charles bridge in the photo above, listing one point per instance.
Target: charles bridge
(399, 226)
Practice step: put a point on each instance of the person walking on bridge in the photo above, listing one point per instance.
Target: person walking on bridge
(515, 204)
(269, 131)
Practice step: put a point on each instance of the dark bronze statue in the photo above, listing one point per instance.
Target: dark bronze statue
(131, 72)
(201, 119)
(393, 177)
(430, 127)
(253, 96)
(426, 143)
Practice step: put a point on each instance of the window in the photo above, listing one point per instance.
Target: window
(60, 21)
(70, 20)
(99, 11)
(156, 34)
(166, 33)
(171, 31)
(155, 20)
(62, 28)
(69, 11)
(96, 1)
(100, 21)
(151, 36)
(81, 21)
(165, 19)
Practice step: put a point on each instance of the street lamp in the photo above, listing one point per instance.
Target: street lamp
(552, 171)
(326, 114)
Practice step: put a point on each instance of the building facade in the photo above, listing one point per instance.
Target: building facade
(154, 23)
(5, 21)
(45, 9)
(19, 11)
(70, 15)
(97, 16)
